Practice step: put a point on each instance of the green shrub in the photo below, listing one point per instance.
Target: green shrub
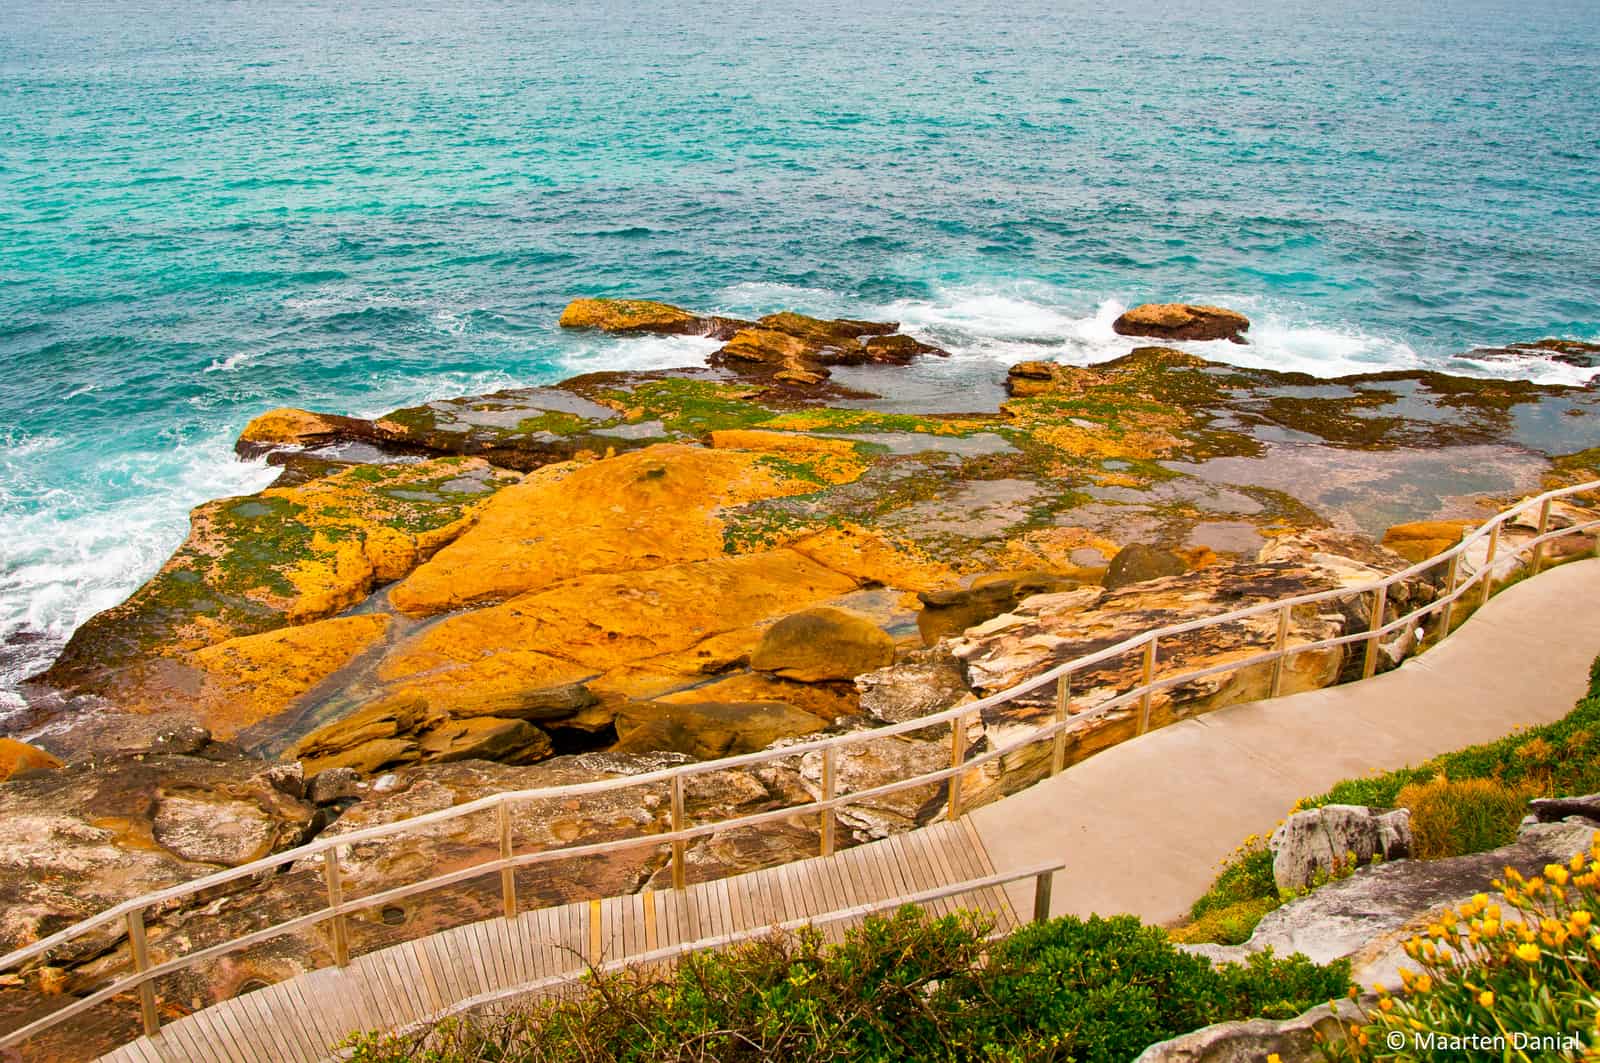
(1527, 970)
(1453, 817)
(906, 987)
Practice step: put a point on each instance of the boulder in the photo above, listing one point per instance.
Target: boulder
(797, 349)
(184, 738)
(287, 426)
(17, 758)
(1318, 841)
(335, 784)
(921, 683)
(485, 738)
(1138, 562)
(206, 830)
(1369, 916)
(381, 733)
(1182, 321)
(872, 764)
(821, 644)
(643, 315)
(1420, 540)
(1304, 1039)
(1556, 809)
(707, 730)
(558, 702)
(950, 612)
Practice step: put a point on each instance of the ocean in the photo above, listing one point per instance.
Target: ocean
(209, 207)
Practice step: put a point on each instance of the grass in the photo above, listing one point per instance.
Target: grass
(1467, 801)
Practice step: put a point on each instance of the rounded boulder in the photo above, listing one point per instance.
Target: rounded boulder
(823, 644)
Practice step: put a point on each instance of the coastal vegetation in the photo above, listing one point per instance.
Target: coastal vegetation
(1514, 978)
(906, 986)
(1467, 801)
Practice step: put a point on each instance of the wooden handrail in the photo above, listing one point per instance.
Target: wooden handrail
(339, 908)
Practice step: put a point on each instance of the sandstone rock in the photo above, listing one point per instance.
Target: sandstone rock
(950, 612)
(1556, 809)
(642, 315)
(17, 758)
(1182, 321)
(285, 556)
(631, 622)
(1421, 540)
(374, 736)
(1051, 629)
(641, 510)
(827, 701)
(1320, 840)
(1369, 916)
(872, 764)
(185, 739)
(1138, 562)
(485, 738)
(794, 348)
(821, 644)
(287, 426)
(1297, 1040)
(255, 677)
(708, 730)
(558, 702)
(210, 831)
(923, 682)
(78, 840)
(334, 784)
(288, 778)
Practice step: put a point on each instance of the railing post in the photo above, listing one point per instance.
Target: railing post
(1451, 575)
(508, 876)
(1058, 748)
(141, 963)
(1544, 526)
(1041, 895)
(1149, 675)
(958, 755)
(1488, 565)
(678, 875)
(341, 930)
(1379, 603)
(830, 775)
(1283, 642)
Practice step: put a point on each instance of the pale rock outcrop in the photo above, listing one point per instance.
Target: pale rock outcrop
(1320, 841)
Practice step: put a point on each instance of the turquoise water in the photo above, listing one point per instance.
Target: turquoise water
(211, 208)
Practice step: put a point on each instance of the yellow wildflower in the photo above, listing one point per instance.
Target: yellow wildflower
(1386, 1005)
(1556, 873)
(1491, 927)
(1528, 952)
(1486, 998)
(1577, 863)
(1424, 985)
(1493, 911)
(1581, 919)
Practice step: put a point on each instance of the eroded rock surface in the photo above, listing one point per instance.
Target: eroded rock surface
(1182, 321)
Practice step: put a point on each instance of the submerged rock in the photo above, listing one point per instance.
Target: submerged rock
(1182, 321)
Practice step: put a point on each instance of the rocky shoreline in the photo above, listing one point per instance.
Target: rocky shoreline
(625, 570)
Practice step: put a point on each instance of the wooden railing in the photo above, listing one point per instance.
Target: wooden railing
(338, 909)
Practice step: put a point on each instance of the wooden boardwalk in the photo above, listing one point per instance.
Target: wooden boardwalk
(302, 1018)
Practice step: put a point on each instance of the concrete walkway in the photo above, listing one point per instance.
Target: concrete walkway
(1142, 826)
